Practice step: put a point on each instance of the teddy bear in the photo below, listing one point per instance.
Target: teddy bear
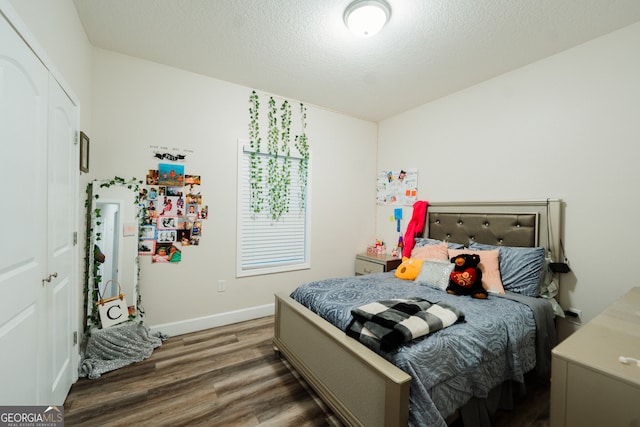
(466, 277)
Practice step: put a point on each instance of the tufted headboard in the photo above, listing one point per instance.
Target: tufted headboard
(518, 223)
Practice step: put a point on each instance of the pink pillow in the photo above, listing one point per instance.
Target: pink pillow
(431, 252)
(489, 265)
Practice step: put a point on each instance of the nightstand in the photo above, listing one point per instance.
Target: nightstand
(370, 263)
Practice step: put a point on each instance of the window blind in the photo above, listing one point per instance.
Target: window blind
(266, 245)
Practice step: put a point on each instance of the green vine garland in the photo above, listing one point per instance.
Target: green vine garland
(274, 181)
(255, 142)
(282, 191)
(302, 145)
(278, 173)
(91, 267)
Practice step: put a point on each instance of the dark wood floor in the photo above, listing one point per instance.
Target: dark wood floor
(227, 376)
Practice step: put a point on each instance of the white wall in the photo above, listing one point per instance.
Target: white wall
(567, 127)
(138, 103)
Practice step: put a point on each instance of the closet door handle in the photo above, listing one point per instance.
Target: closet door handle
(48, 279)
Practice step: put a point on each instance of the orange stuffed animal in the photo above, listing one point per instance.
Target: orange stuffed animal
(409, 269)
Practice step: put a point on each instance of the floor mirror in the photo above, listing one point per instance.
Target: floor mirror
(112, 244)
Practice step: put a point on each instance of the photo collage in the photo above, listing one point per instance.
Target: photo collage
(174, 213)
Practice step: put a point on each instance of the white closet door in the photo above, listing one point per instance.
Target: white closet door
(61, 304)
(23, 215)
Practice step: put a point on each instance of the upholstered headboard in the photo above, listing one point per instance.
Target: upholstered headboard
(518, 223)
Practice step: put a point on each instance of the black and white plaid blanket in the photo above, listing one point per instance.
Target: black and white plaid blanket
(384, 325)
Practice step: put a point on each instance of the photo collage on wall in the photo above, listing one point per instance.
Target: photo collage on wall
(174, 213)
(399, 187)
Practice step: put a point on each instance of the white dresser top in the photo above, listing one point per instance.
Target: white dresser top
(613, 333)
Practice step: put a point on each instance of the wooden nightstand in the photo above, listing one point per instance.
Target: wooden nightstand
(368, 263)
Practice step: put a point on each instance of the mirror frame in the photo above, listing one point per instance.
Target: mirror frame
(92, 278)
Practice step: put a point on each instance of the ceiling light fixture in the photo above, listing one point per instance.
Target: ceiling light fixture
(367, 17)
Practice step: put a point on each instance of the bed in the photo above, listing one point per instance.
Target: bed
(459, 371)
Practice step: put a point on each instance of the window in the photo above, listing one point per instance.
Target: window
(266, 245)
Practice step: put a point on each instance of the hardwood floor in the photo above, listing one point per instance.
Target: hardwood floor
(227, 376)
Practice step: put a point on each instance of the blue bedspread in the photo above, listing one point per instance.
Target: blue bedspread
(497, 341)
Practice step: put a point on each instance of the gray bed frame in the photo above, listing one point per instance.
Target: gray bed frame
(339, 368)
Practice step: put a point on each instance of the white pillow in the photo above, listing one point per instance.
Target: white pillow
(435, 273)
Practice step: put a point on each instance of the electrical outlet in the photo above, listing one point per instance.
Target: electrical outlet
(222, 285)
(573, 315)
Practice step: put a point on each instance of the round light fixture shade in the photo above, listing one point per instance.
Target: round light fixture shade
(367, 17)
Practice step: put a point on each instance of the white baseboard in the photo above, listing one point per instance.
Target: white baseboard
(207, 322)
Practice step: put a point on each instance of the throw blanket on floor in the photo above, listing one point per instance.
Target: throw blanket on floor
(120, 345)
(384, 325)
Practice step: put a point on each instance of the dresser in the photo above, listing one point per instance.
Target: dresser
(589, 385)
(372, 263)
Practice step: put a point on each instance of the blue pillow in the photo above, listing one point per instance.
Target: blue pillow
(520, 268)
(424, 241)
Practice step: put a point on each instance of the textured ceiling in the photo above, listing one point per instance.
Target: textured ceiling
(300, 49)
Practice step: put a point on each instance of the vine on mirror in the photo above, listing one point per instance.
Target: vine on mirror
(94, 256)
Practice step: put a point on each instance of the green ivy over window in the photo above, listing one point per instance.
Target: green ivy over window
(278, 173)
(302, 145)
(256, 162)
(274, 180)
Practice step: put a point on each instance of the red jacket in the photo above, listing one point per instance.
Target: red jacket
(415, 226)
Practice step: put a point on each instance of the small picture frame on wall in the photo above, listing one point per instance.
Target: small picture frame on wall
(84, 152)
